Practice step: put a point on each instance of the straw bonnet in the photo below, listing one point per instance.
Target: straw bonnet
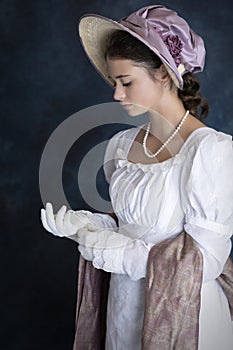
(159, 28)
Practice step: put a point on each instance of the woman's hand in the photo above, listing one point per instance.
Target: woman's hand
(66, 222)
(114, 252)
(103, 247)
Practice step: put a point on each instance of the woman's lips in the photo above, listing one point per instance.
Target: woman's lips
(127, 106)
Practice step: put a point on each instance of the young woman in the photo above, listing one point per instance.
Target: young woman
(171, 192)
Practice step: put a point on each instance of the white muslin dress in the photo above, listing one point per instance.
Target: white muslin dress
(193, 191)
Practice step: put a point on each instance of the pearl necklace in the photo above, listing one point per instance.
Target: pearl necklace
(166, 142)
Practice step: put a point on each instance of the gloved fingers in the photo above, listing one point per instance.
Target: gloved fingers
(67, 222)
(44, 220)
(76, 221)
(59, 220)
(69, 227)
(87, 238)
(92, 227)
(50, 218)
(81, 236)
(80, 219)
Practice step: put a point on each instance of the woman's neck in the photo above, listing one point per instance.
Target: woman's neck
(164, 121)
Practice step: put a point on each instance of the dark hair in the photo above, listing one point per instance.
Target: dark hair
(121, 44)
(191, 97)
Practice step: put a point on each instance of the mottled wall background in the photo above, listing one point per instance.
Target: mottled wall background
(45, 78)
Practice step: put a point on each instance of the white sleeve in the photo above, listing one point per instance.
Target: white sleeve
(208, 201)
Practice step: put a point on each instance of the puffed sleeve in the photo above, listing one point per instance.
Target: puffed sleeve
(207, 196)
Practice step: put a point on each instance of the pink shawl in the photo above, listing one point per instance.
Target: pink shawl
(172, 303)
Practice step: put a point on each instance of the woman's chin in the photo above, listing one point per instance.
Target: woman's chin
(134, 111)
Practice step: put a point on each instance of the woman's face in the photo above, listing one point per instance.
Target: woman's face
(134, 87)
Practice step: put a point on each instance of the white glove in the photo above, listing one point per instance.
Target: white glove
(68, 223)
(114, 252)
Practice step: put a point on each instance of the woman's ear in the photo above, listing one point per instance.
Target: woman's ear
(163, 75)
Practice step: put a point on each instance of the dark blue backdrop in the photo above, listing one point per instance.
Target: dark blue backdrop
(45, 78)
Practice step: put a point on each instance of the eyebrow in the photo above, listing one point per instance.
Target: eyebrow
(120, 76)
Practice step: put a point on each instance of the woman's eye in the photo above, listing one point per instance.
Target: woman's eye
(126, 84)
(114, 84)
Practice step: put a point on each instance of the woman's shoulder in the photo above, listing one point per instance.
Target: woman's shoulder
(201, 136)
(207, 150)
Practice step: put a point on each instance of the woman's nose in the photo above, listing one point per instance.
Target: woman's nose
(119, 93)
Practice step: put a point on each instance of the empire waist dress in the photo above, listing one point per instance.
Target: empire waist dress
(192, 191)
